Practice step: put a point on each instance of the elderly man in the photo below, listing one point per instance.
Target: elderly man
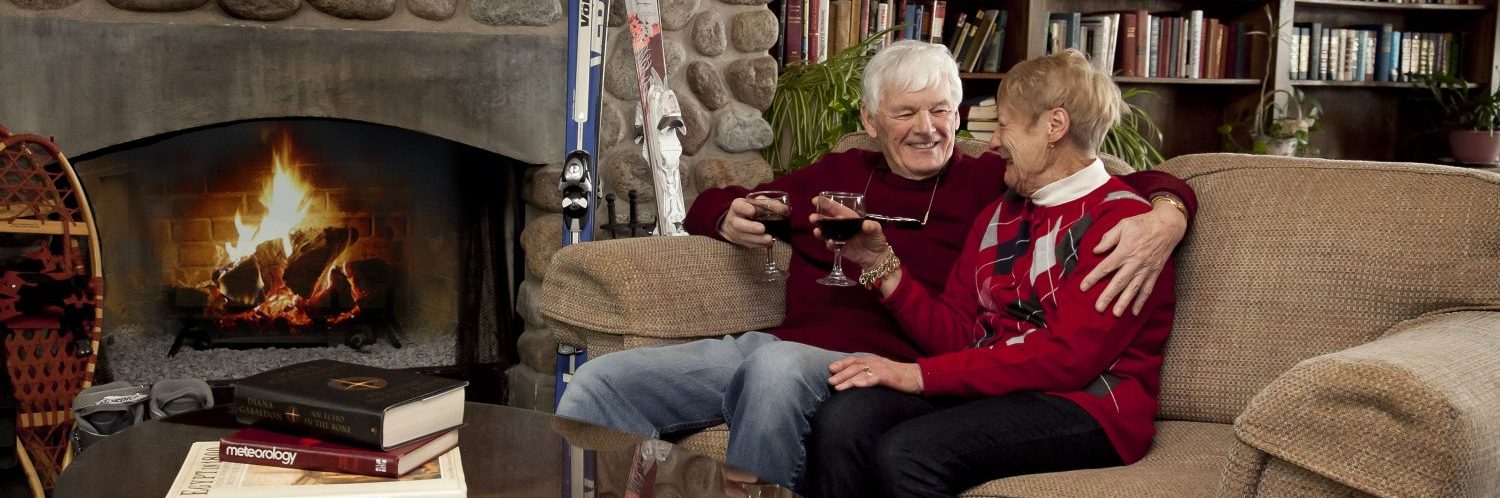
(767, 386)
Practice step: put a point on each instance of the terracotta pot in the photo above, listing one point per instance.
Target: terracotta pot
(1474, 146)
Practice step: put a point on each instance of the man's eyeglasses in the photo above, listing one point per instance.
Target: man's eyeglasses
(902, 221)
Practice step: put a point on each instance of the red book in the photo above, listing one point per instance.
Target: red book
(274, 449)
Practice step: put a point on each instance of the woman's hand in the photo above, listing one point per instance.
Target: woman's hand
(865, 248)
(1139, 247)
(739, 226)
(871, 371)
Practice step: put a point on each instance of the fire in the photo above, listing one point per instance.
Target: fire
(281, 268)
(286, 202)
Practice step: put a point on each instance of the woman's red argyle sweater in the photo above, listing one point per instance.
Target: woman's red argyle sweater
(1011, 317)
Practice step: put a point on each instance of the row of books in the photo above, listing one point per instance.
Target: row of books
(1168, 45)
(1371, 53)
(327, 422)
(812, 30)
(978, 40)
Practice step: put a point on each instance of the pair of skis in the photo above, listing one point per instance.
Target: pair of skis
(659, 123)
(658, 120)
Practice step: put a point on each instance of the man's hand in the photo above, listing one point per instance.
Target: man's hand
(865, 248)
(739, 226)
(1139, 247)
(871, 371)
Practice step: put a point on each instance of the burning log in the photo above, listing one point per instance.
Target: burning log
(240, 282)
(314, 252)
(372, 279)
(270, 260)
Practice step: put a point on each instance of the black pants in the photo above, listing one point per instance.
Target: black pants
(877, 442)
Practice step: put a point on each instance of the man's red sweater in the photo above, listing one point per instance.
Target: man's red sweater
(1011, 318)
(852, 319)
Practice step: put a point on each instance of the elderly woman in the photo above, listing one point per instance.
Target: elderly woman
(1025, 375)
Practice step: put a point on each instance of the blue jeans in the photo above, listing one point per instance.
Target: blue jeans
(765, 389)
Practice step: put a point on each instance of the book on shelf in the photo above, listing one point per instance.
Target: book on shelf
(204, 474)
(258, 446)
(982, 125)
(939, 15)
(983, 112)
(370, 406)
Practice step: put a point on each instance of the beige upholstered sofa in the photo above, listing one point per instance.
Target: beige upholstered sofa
(1337, 332)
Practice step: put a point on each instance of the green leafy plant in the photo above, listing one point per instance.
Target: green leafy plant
(1463, 106)
(1132, 139)
(815, 104)
(1281, 127)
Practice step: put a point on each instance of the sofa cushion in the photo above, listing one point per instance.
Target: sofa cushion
(1292, 258)
(1185, 460)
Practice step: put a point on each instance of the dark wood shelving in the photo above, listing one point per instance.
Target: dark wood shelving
(1186, 81)
(981, 76)
(1360, 84)
(1357, 4)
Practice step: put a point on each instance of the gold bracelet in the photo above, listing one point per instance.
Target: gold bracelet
(889, 264)
(1173, 201)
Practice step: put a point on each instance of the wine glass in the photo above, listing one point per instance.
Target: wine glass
(842, 214)
(773, 211)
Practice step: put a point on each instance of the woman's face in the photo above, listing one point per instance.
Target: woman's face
(1022, 141)
(915, 130)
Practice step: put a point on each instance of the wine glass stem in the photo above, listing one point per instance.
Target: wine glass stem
(771, 258)
(838, 259)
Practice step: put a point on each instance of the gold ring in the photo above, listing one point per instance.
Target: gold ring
(868, 372)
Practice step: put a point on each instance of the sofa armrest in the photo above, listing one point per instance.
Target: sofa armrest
(654, 290)
(1411, 414)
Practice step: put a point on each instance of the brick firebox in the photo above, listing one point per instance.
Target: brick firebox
(167, 206)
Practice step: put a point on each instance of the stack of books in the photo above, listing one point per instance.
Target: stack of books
(327, 427)
(982, 119)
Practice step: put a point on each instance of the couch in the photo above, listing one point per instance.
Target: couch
(1337, 331)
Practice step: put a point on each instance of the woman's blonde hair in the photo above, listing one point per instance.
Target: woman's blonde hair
(1065, 79)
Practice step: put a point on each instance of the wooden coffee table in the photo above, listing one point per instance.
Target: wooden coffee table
(506, 452)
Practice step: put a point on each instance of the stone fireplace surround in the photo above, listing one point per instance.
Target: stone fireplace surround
(486, 73)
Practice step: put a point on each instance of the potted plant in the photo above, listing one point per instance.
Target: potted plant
(1132, 138)
(1280, 128)
(1469, 115)
(815, 104)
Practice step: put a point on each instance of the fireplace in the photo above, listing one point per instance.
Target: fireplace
(337, 238)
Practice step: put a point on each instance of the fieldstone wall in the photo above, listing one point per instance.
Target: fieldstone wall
(718, 64)
(488, 73)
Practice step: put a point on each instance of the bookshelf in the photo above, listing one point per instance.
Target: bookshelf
(1378, 120)
(1372, 120)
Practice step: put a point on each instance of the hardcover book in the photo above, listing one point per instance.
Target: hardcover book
(203, 474)
(262, 447)
(369, 406)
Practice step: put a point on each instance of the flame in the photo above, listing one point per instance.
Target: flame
(286, 202)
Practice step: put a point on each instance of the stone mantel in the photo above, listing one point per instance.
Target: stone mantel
(93, 76)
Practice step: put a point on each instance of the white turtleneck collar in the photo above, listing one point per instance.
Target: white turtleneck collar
(1074, 187)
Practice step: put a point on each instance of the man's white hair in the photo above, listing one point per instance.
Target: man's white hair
(910, 66)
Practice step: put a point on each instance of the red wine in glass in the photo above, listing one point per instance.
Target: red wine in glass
(840, 216)
(840, 229)
(772, 211)
(776, 225)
